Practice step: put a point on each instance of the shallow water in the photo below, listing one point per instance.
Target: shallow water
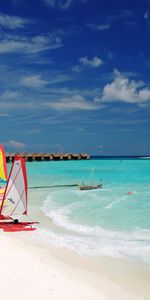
(104, 222)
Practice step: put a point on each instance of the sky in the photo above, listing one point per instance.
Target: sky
(75, 76)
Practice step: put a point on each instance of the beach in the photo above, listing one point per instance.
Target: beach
(30, 271)
(88, 245)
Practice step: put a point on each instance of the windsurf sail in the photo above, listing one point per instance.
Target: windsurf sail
(14, 200)
(2, 191)
(3, 166)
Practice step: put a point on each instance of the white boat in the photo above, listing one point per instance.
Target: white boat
(90, 187)
(15, 198)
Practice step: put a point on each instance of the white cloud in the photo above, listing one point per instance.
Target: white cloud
(15, 145)
(110, 54)
(63, 4)
(51, 3)
(144, 94)
(125, 90)
(70, 92)
(59, 79)
(77, 69)
(26, 45)
(10, 95)
(55, 98)
(99, 27)
(8, 106)
(12, 22)
(34, 81)
(4, 115)
(76, 102)
(95, 62)
(146, 15)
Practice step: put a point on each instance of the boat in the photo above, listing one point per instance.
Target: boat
(15, 199)
(90, 187)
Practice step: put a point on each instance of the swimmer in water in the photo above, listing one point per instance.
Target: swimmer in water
(131, 192)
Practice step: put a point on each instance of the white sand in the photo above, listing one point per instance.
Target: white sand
(30, 271)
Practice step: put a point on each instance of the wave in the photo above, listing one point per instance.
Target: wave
(93, 240)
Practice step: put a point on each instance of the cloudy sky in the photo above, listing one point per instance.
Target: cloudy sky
(75, 76)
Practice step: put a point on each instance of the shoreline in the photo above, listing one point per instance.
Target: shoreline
(41, 272)
(115, 278)
(111, 278)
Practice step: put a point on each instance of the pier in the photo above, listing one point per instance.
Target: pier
(48, 156)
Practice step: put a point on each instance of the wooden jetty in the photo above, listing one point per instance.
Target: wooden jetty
(48, 156)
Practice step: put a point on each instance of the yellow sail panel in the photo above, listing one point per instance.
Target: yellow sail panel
(3, 167)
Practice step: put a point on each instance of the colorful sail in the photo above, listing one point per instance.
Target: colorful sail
(3, 167)
(2, 191)
(15, 195)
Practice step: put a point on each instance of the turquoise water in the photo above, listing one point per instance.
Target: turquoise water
(104, 222)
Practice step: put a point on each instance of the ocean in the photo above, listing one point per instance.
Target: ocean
(113, 221)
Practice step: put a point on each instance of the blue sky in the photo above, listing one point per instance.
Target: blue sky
(75, 76)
